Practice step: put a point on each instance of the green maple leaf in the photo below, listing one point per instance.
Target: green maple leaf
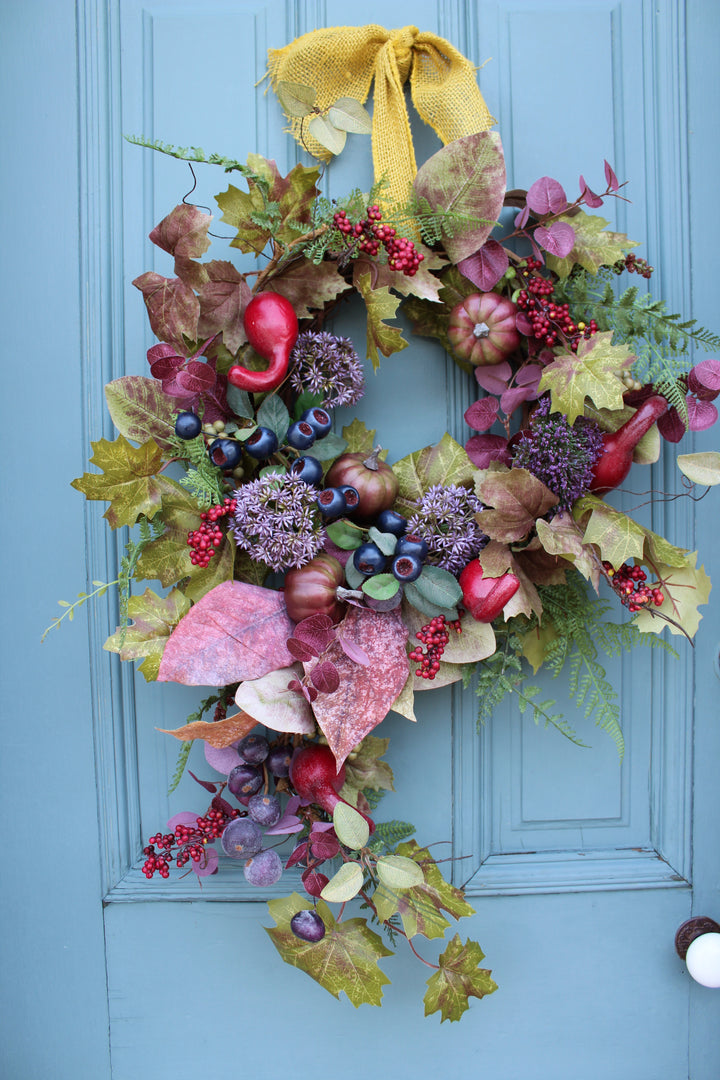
(238, 209)
(518, 498)
(618, 537)
(359, 438)
(444, 463)
(154, 619)
(421, 906)
(381, 305)
(459, 978)
(685, 588)
(128, 481)
(363, 768)
(594, 247)
(593, 372)
(346, 959)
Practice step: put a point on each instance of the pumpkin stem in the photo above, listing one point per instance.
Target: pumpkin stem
(373, 462)
(481, 330)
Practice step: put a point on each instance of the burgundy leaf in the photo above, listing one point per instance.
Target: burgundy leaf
(314, 882)
(537, 251)
(521, 219)
(204, 783)
(310, 693)
(558, 239)
(236, 631)
(547, 196)
(704, 380)
(701, 414)
(316, 632)
(324, 845)
(495, 377)
(482, 414)
(482, 449)
(523, 324)
(486, 266)
(353, 650)
(166, 367)
(366, 694)
(671, 426)
(325, 677)
(515, 396)
(298, 854)
(588, 195)
(300, 651)
(221, 804)
(612, 180)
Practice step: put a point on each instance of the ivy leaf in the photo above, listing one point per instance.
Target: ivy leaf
(154, 619)
(593, 247)
(562, 537)
(309, 288)
(445, 463)
(617, 536)
(345, 960)
(421, 907)
(685, 588)
(128, 481)
(380, 305)
(364, 769)
(173, 309)
(235, 632)
(466, 178)
(366, 693)
(141, 411)
(273, 705)
(593, 372)
(223, 299)
(294, 194)
(518, 498)
(460, 977)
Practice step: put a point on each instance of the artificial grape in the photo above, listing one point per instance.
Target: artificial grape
(278, 761)
(244, 780)
(254, 749)
(308, 925)
(263, 869)
(265, 810)
(241, 839)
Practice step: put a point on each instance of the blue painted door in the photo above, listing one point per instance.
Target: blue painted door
(580, 869)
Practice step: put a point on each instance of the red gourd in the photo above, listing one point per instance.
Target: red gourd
(614, 463)
(482, 328)
(311, 590)
(485, 597)
(375, 482)
(314, 775)
(272, 328)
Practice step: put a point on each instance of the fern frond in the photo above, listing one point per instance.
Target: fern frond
(191, 153)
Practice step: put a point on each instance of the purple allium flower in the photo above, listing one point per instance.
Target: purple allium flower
(276, 521)
(559, 454)
(445, 518)
(327, 365)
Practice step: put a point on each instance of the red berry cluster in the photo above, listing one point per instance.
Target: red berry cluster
(434, 636)
(204, 540)
(548, 319)
(629, 582)
(190, 841)
(368, 235)
(634, 265)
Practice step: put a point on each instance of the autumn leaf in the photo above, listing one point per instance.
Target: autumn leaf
(295, 193)
(346, 959)
(404, 703)
(423, 283)
(593, 372)
(218, 733)
(616, 535)
(518, 498)
(141, 411)
(460, 977)
(364, 769)
(359, 438)
(238, 208)
(183, 232)
(309, 288)
(128, 481)
(684, 588)
(366, 692)
(421, 906)
(445, 463)
(154, 618)
(173, 309)
(593, 247)
(223, 299)
(235, 632)
(381, 305)
(561, 536)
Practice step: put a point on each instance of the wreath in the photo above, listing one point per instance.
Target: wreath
(316, 586)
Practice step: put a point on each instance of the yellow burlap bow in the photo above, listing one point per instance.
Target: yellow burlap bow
(342, 61)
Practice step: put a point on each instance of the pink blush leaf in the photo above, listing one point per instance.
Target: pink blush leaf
(558, 239)
(236, 631)
(353, 651)
(701, 414)
(704, 379)
(515, 396)
(366, 694)
(591, 199)
(325, 677)
(529, 376)
(547, 196)
(495, 377)
(486, 266)
(521, 219)
(612, 180)
(185, 817)
(482, 414)
(222, 759)
(208, 863)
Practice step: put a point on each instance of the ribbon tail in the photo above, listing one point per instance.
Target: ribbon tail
(393, 153)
